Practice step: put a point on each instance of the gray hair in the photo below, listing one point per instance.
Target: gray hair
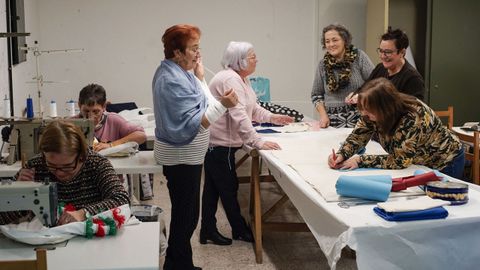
(342, 31)
(235, 55)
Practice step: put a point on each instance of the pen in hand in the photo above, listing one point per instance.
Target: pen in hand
(334, 156)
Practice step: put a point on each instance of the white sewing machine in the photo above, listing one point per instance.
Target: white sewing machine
(40, 198)
(25, 134)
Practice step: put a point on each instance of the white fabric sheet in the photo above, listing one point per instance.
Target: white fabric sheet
(34, 233)
(380, 244)
(417, 204)
(309, 159)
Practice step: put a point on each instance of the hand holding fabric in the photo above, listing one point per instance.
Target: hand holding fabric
(100, 146)
(26, 175)
(71, 216)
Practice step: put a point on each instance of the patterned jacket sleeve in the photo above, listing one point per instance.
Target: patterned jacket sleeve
(359, 137)
(401, 147)
(110, 187)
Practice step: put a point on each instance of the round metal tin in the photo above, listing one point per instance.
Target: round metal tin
(456, 193)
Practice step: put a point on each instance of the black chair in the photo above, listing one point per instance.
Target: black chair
(118, 107)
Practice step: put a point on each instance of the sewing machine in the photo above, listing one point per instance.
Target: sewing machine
(40, 198)
(25, 134)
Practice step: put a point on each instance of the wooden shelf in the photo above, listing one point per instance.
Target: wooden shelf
(7, 35)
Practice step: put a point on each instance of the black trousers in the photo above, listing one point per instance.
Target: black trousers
(221, 182)
(183, 182)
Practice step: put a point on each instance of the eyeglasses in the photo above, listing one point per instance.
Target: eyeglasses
(195, 49)
(252, 57)
(68, 168)
(386, 52)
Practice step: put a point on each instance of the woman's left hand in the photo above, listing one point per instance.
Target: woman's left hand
(351, 163)
(198, 70)
(71, 216)
(280, 119)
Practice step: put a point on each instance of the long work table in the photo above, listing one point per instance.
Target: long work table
(301, 170)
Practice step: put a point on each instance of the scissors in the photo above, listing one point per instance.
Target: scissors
(347, 204)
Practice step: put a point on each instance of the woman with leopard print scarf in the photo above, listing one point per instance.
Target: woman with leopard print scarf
(343, 69)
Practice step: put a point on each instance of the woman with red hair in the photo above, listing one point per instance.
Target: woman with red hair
(183, 112)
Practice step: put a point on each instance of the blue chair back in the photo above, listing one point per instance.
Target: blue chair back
(261, 86)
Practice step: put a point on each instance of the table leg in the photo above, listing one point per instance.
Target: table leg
(256, 207)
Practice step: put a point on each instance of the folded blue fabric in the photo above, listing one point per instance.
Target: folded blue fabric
(270, 125)
(432, 213)
(370, 187)
(267, 130)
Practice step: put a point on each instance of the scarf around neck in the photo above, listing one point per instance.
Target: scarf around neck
(179, 104)
(343, 68)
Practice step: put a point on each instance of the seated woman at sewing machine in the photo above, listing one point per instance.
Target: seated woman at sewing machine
(407, 129)
(110, 128)
(85, 179)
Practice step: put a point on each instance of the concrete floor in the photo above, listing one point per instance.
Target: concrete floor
(281, 250)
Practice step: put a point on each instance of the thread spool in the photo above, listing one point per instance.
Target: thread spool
(71, 108)
(53, 109)
(29, 107)
(6, 107)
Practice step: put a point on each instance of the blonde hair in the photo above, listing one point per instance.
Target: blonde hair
(63, 137)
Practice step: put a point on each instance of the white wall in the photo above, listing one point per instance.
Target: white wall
(24, 72)
(122, 39)
(3, 55)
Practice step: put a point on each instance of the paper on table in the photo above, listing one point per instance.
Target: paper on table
(309, 160)
(420, 203)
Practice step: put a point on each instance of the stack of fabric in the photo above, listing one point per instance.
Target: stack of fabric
(416, 209)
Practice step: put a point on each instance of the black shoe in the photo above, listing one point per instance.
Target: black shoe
(215, 237)
(246, 236)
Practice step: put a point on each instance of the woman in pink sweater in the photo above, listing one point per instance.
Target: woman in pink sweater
(227, 135)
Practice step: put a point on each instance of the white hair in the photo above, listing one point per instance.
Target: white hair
(235, 55)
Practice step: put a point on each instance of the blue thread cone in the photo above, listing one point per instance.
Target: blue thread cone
(29, 107)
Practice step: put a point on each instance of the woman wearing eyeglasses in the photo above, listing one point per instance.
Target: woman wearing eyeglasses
(183, 113)
(110, 128)
(343, 69)
(84, 178)
(392, 49)
(227, 135)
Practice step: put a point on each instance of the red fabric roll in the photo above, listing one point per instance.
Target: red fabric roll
(402, 183)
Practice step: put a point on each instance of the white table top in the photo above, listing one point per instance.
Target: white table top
(141, 162)
(428, 244)
(134, 247)
(461, 131)
(150, 132)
